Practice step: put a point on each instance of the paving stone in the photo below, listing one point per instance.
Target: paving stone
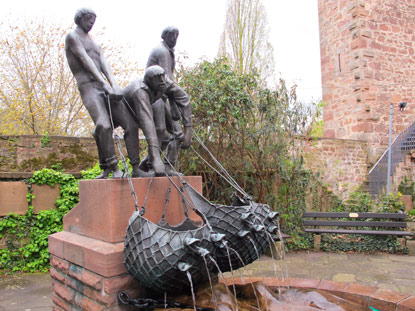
(391, 287)
(334, 256)
(360, 258)
(366, 279)
(402, 258)
(379, 258)
(410, 289)
(343, 277)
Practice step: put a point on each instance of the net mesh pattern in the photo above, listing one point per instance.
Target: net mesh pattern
(152, 255)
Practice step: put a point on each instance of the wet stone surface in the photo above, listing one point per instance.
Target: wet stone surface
(32, 292)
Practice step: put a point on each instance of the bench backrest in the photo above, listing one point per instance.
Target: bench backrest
(382, 220)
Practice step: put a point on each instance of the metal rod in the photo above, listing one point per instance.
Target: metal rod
(390, 151)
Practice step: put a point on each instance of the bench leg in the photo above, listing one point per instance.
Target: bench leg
(402, 242)
(317, 242)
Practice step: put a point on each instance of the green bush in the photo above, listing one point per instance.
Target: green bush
(26, 236)
(360, 243)
(360, 202)
(253, 132)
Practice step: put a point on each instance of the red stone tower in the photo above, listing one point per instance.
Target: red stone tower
(367, 62)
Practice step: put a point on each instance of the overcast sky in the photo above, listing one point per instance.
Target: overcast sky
(293, 29)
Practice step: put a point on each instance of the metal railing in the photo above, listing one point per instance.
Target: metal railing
(378, 175)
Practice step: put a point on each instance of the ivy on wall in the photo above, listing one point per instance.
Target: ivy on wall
(26, 236)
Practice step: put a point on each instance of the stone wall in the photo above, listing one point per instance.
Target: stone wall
(27, 153)
(13, 197)
(367, 62)
(342, 164)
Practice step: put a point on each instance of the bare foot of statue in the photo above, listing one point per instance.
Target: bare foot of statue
(137, 172)
(171, 172)
(158, 167)
(116, 173)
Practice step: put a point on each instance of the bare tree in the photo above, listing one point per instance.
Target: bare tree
(245, 38)
(38, 93)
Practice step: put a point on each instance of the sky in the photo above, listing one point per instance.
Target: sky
(138, 24)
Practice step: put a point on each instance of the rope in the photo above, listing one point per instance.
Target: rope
(123, 160)
(228, 177)
(143, 207)
(186, 214)
(163, 216)
(192, 206)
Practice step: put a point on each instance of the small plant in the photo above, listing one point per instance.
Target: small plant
(45, 140)
(407, 187)
(390, 204)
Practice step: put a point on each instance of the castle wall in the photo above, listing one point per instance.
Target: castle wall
(341, 164)
(367, 62)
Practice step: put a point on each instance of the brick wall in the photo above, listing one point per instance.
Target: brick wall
(19, 154)
(342, 164)
(367, 62)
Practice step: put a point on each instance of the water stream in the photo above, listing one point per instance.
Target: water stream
(210, 282)
(189, 276)
(257, 254)
(242, 279)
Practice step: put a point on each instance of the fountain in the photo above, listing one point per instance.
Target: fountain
(126, 238)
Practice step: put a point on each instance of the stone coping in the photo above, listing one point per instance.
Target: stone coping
(26, 175)
(381, 299)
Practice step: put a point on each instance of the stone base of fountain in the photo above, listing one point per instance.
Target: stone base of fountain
(378, 298)
(87, 266)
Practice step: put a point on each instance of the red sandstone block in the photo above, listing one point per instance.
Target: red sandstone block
(61, 304)
(358, 43)
(240, 281)
(359, 12)
(89, 278)
(303, 283)
(45, 197)
(88, 304)
(363, 127)
(359, 293)
(407, 304)
(386, 300)
(13, 198)
(384, 27)
(100, 296)
(57, 275)
(273, 282)
(73, 253)
(55, 246)
(107, 219)
(106, 259)
(115, 284)
(70, 282)
(329, 133)
(100, 257)
(63, 291)
(396, 98)
(337, 288)
(59, 264)
(328, 116)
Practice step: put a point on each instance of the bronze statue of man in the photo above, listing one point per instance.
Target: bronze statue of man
(102, 96)
(141, 94)
(167, 113)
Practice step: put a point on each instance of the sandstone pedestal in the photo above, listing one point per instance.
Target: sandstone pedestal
(87, 257)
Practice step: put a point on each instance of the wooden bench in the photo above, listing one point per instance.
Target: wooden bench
(391, 224)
